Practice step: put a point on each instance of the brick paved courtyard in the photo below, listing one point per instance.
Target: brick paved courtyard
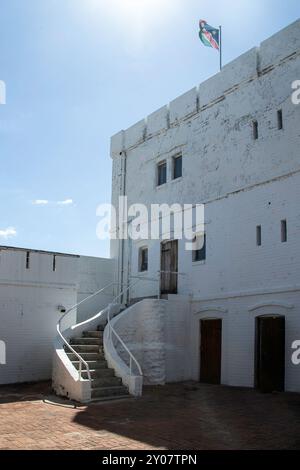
(181, 416)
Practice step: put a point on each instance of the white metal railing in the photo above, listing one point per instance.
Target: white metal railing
(82, 362)
(111, 330)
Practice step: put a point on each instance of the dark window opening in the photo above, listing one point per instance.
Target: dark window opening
(284, 231)
(258, 235)
(280, 119)
(177, 167)
(199, 254)
(54, 263)
(161, 173)
(143, 260)
(255, 130)
(27, 259)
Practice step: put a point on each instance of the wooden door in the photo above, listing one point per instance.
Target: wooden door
(169, 267)
(270, 354)
(210, 351)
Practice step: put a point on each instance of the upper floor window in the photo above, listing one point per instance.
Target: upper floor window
(280, 119)
(143, 259)
(255, 129)
(199, 252)
(27, 259)
(284, 231)
(161, 173)
(258, 235)
(177, 167)
(54, 263)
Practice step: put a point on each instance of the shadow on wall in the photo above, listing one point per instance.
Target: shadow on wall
(24, 392)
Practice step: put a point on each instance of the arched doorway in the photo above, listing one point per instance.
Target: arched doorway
(270, 353)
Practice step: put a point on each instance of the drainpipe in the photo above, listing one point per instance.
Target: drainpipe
(123, 193)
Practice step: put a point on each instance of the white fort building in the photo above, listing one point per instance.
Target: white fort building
(227, 312)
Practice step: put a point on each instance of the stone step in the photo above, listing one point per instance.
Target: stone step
(99, 373)
(93, 365)
(87, 356)
(111, 398)
(92, 334)
(106, 392)
(85, 348)
(86, 340)
(106, 382)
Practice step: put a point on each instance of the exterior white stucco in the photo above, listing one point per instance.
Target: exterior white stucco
(29, 305)
(243, 183)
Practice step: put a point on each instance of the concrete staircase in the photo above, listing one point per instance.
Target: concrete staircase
(105, 385)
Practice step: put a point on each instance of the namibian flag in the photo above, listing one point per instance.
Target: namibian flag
(209, 36)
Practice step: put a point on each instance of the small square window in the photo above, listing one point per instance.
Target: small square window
(258, 235)
(279, 119)
(199, 253)
(284, 231)
(143, 260)
(255, 130)
(161, 173)
(177, 167)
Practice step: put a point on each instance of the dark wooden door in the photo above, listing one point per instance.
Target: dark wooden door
(169, 267)
(210, 351)
(270, 354)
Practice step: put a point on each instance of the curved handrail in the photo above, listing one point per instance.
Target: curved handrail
(111, 330)
(58, 328)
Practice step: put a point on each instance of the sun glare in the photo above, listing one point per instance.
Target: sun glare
(145, 9)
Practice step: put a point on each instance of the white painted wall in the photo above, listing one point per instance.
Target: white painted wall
(157, 334)
(29, 301)
(242, 182)
(93, 275)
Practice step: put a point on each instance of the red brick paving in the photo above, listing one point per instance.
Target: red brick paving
(181, 416)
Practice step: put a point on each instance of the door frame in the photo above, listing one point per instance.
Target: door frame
(201, 322)
(256, 351)
(172, 276)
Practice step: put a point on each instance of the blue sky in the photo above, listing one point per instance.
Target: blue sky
(78, 71)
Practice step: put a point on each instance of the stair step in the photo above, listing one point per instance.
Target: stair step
(112, 398)
(85, 348)
(99, 373)
(105, 392)
(92, 334)
(106, 382)
(87, 356)
(87, 340)
(93, 365)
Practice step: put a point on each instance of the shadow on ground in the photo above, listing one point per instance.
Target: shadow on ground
(24, 392)
(207, 417)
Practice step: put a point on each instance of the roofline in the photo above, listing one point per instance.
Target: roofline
(15, 248)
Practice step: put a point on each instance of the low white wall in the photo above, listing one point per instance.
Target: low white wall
(29, 300)
(156, 332)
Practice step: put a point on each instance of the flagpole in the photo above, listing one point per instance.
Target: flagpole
(221, 64)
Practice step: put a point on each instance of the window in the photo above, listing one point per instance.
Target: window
(255, 130)
(143, 260)
(177, 167)
(27, 259)
(199, 253)
(161, 173)
(54, 263)
(258, 235)
(279, 119)
(284, 231)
